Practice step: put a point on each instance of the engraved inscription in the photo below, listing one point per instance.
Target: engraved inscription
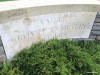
(23, 32)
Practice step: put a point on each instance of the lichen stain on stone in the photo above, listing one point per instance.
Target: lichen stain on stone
(27, 21)
(39, 38)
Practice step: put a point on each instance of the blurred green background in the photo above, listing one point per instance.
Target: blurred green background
(5, 0)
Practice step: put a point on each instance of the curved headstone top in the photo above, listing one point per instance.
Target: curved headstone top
(25, 22)
(72, 5)
(24, 8)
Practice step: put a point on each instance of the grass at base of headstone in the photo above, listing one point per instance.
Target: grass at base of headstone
(56, 57)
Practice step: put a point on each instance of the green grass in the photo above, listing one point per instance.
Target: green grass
(56, 57)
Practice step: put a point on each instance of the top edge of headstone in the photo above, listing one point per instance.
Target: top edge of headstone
(13, 10)
(9, 5)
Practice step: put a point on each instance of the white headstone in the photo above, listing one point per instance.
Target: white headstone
(21, 33)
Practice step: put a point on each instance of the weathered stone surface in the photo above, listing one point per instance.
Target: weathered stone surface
(96, 24)
(77, 39)
(97, 20)
(96, 28)
(97, 37)
(98, 13)
(95, 33)
(1, 50)
(21, 27)
(2, 58)
(0, 42)
(12, 15)
(9, 15)
(92, 37)
(98, 16)
(21, 33)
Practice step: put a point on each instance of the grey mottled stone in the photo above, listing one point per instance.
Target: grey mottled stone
(2, 58)
(92, 37)
(98, 13)
(98, 38)
(12, 15)
(0, 42)
(97, 20)
(97, 24)
(96, 28)
(98, 16)
(83, 39)
(95, 33)
(1, 50)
